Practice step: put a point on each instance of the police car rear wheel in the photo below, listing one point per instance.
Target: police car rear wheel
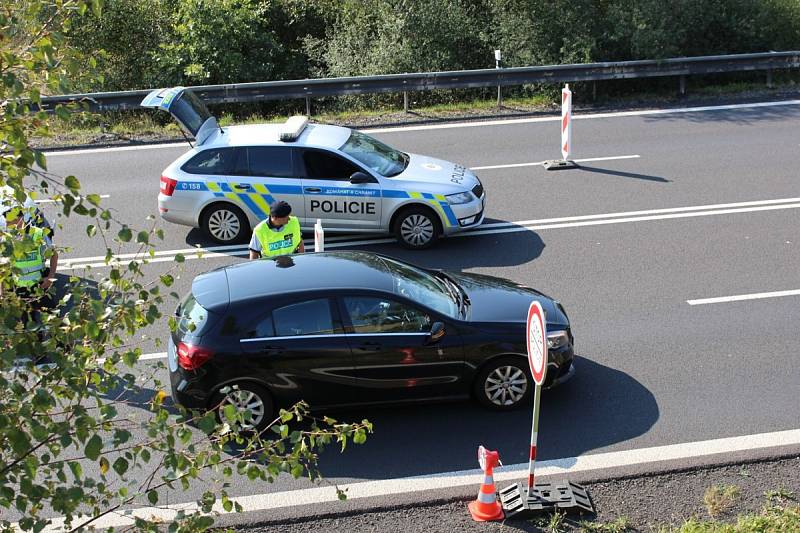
(225, 223)
(416, 228)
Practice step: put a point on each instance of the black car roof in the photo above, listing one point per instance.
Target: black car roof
(307, 272)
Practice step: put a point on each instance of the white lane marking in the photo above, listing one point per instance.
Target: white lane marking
(175, 145)
(448, 480)
(51, 201)
(743, 297)
(538, 163)
(588, 116)
(486, 229)
(630, 219)
(143, 357)
(499, 122)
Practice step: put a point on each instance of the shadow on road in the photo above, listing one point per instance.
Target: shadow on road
(476, 250)
(599, 407)
(623, 174)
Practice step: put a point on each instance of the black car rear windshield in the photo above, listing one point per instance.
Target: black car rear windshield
(192, 317)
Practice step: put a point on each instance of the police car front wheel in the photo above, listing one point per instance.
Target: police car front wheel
(225, 223)
(417, 228)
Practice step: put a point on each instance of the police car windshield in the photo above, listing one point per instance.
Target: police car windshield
(419, 286)
(381, 158)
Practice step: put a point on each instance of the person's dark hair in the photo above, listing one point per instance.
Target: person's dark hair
(280, 209)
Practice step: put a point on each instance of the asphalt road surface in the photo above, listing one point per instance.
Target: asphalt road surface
(653, 369)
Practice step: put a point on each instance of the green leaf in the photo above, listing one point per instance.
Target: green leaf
(91, 230)
(143, 237)
(20, 442)
(179, 258)
(125, 234)
(145, 455)
(40, 158)
(72, 183)
(103, 465)
(94, 199)
(152, 497)
(120, 465)
(167, 280)
(93, 447)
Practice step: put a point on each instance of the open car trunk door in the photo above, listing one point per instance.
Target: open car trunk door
(187, 109)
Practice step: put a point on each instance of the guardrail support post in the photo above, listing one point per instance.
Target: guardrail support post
(682, 89)
(405, 101)
(769, 78)
(308, 106)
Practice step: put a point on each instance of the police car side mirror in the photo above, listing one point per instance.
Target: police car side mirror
(360, 177)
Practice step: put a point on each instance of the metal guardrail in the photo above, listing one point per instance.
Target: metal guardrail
(423, 81)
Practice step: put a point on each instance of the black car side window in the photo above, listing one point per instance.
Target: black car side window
(312, 317)
(379, 315)
(322, 165)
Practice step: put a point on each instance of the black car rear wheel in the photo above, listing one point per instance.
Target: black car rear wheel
(247, 397)
(504, 384)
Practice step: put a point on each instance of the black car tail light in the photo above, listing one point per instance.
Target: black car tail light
(192, 357)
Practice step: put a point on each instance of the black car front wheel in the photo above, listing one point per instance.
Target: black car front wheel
(246, 397)
(504, 384)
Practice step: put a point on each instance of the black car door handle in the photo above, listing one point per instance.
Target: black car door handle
(313, 189)
(272, 350)
(243, 186)
(369, 346)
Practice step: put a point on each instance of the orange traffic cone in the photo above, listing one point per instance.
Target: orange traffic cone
(486, 508)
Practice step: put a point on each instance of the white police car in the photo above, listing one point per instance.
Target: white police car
(349, 180)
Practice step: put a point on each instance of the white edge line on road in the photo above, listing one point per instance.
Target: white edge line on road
(539, 163)
(50, 200)
(488, 229)
(447, 480)
(742, 297)
(500, 122)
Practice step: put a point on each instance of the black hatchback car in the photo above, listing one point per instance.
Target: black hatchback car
(346, 328)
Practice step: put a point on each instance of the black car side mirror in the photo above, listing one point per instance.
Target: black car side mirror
(437, 332)
(360, 177)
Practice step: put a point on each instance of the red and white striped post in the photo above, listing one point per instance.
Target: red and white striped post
(566, 134)
(566, 122)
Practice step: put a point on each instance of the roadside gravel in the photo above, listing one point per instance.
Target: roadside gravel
(646, 503)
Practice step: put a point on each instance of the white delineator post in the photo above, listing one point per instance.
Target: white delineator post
(319, 237)
(566, 134)
(566, 122)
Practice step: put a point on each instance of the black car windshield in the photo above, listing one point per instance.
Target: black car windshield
(381, 158)
(421, 287)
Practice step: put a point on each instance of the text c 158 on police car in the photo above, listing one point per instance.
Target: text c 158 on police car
(336, 206)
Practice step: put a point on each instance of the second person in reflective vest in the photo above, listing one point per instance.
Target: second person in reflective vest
(278, 235)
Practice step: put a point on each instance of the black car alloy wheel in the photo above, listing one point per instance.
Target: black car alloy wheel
(504, 383)
(247, 397)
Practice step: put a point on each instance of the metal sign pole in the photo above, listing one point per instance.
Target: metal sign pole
(537, 393)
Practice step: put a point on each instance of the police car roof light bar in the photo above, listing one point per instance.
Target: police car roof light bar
(293, 128)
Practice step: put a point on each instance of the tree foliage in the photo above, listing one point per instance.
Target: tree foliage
(71, 442)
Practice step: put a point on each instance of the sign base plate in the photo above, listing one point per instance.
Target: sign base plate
(545, 497)
(560, 164)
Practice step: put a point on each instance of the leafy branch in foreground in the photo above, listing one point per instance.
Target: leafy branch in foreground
(86, 429)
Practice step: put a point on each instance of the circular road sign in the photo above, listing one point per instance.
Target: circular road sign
(537, 342)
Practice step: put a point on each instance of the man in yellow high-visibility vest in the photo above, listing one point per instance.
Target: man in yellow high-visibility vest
(38, 266)
(278, 235)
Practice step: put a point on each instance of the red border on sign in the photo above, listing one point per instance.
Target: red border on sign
(535, 312)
